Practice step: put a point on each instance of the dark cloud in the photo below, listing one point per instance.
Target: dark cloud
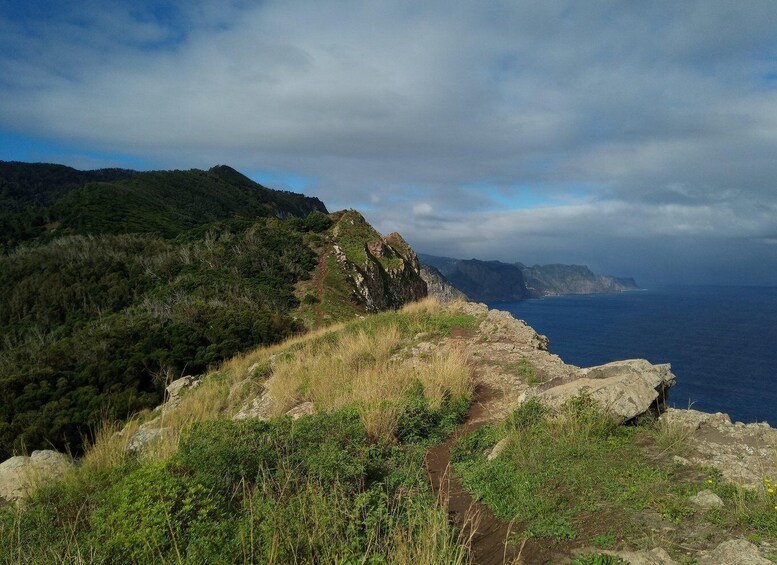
(639, 137)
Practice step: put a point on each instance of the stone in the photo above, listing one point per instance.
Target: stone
(176, 388)
(743, 454)
(497, 450)
(304, 409)
(733, 552)
(144, 437)
(706, 499)
(20, 473)
(655, 556)
(626, 389)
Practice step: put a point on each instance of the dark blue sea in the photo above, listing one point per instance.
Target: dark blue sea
(721, 341)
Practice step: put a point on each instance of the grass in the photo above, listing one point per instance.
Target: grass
(344, 485)
(574, 478)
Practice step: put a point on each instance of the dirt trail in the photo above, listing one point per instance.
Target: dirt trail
(498, 345)
(488, 533)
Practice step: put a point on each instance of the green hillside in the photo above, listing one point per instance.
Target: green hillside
(41, 201)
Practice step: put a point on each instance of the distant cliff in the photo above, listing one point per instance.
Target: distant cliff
(488, 281)
(440, 287)
(545, 280)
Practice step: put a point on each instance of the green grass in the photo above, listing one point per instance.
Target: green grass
(575, 475)
(314, 490)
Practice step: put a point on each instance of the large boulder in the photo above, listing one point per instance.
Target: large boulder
(626, 389)
(18, 474)
(733, 552)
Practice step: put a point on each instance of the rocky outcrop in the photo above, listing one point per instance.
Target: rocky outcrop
(440, 287)
(744, 453)
(176, 389)
(626, 389)
(18, 474)
(733, 552)
(383, 272)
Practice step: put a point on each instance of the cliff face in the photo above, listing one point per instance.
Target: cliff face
(546, 280)
(497, 281)
(439, 286)
(383, 272)
(489, 280)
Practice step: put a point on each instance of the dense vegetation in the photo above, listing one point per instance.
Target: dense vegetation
(39, 202)
(345, 485)
(126, 280)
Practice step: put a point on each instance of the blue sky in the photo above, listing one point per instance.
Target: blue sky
(636, 137)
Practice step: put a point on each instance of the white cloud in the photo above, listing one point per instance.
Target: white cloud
(665, 112)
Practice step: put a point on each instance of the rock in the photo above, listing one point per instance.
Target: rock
(706, 499)
(304, 409)
(260, 407)
(497, 450)
(144, 438)
(733, 552)
(656, 556)
(743, 454)
(18, 474)
(176, 388)
(439, 287)
(626, 389)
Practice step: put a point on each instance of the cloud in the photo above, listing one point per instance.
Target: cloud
(629, 125)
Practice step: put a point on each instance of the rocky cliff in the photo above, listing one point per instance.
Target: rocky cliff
(439, 286)
(546, 280)
(359, 271)
(497, 281)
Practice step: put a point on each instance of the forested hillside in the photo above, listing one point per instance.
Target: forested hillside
(116, 281)
(39, 202)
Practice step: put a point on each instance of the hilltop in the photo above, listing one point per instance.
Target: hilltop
(117, 282)
(340, 445)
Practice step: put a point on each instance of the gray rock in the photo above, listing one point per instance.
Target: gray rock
(656, 556)
(438, 286)
(497, 450)
(743, 454)
(733, 552)
(18, 474)
(176, 388)
(626, 389)
(706, 499)
(144, 438)
(304, 409)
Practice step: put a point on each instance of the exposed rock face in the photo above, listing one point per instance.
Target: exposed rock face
(384, 272)
(733, 552)
(496, 281)
(19, 473)
(655, 556)
(145, 437)
(744, 453)
(546, 280)
(489, 281)
(176, 388)
(439, 287)
(626, 389)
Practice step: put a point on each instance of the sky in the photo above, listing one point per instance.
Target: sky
(639, 138)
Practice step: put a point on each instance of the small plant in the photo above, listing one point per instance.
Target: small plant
(528, 414)
(557, 529)
(604, 541)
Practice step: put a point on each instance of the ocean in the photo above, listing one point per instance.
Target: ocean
(721, 341)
